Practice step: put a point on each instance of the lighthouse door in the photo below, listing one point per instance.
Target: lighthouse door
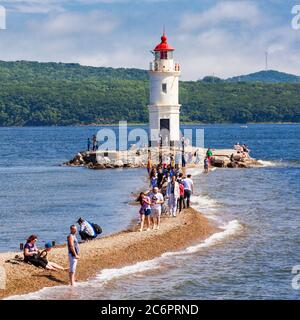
(165, 131)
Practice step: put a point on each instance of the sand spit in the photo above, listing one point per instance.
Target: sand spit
(113, 251)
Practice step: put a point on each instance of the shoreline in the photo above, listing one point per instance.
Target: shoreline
(132, 124)
(113, 251)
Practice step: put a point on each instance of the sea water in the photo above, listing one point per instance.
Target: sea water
(257, 210)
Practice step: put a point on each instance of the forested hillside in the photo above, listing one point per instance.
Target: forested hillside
(33, 93)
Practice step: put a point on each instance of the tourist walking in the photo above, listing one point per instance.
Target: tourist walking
(173, 195)
(188, 189)
(145, 210)
(73, 252)
(160, 176)
(157, 199)
(181, 204)
(153, 178)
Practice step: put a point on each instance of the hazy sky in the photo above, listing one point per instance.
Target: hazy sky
(224, 38)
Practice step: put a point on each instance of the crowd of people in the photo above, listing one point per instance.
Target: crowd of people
(39, 258)
(170, 193)
(242, 149)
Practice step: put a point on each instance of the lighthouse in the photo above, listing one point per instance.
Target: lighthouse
(164, 107)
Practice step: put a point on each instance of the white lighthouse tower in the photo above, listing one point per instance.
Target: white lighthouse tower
(164, 107)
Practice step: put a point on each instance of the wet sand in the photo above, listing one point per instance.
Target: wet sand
(113, 251)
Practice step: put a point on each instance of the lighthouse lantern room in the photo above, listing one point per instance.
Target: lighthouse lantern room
(164, 107)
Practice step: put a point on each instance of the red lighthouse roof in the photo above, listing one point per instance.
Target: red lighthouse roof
(164, 46)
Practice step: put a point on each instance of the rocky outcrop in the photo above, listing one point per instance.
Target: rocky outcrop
(90, 160)
(234, 161)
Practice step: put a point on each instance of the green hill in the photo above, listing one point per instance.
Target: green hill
(33, 93)
(270, 76)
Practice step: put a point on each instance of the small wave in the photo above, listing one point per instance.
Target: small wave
(109, 274)
(266, 163)
(230, 229)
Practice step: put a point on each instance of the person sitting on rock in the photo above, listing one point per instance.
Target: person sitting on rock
(87, 230)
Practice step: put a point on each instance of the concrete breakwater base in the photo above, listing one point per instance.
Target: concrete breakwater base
(138, 158)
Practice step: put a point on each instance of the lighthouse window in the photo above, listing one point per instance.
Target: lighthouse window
(164, 55)
(164, 88)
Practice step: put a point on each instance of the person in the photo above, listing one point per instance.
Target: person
(149, 163)
(160, 176)
(165, 169)
(206, 165)
(181, 204)
(173, 195)
(31, 252)
(197, 157)
(87, 231)
(164, 185)
(33, 256)
(153, 178)
(49, 264)
(238, 147)
(88, 144)
(157, 199)
(73, 253)
(145, 210)
(209, 154)
(246, 149)
(188, 189)
(190, 157)
(94, 142)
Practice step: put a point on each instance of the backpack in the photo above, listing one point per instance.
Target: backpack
(97, 228)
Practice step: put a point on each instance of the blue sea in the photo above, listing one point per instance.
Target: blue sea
(258, 211)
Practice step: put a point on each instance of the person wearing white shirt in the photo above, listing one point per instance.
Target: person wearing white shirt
(188, 189)
(157, 199)
(173, 194)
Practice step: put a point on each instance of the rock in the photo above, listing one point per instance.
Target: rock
(98, 166)
(118, 164)
(232, 165)
(242, 165)
(218, 163)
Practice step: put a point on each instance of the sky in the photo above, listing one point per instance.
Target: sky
(222, 38)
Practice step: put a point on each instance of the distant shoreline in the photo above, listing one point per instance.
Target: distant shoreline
(145, 124)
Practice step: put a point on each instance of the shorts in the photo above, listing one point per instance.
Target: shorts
(156, 213)
(73, 263)
(147, 212)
